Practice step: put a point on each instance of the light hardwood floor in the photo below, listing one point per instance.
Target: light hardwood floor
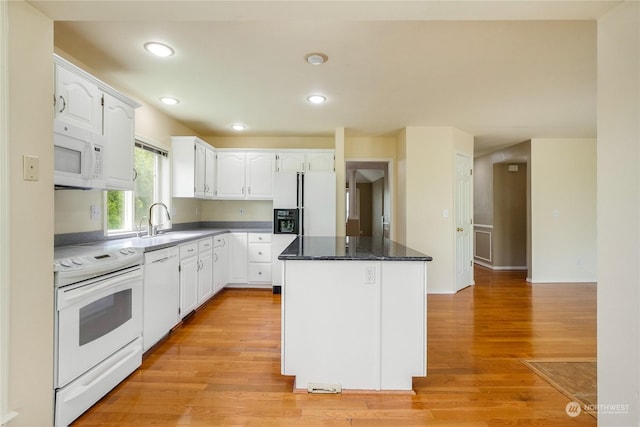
(222, 368)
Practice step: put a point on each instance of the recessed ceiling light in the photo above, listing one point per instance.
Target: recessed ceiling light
(159, 49)
(316, 58)
(169, 101)
(238, 126)
(316, 99)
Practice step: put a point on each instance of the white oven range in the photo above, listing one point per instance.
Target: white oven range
(98, 324)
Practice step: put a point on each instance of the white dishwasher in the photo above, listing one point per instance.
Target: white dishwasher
(161, 294)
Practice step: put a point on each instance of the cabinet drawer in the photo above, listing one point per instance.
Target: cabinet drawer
(259, 252)
(205, 244)
(188, 249)
(259, 272)
(220, 241)
(259, 237)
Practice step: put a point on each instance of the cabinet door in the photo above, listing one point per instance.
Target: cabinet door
(78, 101)
(205, 276)
(230, 175)
(210, 174)
(259, 169)
(238, 258)
(291, 162)
(188, 285)
(320, 161)
(119, 132)
(200, 170)
(220, 265)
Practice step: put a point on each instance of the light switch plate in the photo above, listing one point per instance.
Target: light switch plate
(31, 168)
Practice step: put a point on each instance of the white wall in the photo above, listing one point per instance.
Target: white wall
(426, 157)
(563, 210)
(619, 213)
(30, 219)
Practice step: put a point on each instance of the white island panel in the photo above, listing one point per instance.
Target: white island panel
(359, 324)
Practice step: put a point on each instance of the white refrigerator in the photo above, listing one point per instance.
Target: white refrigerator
(314, 195)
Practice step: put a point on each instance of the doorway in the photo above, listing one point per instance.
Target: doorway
(368, 199)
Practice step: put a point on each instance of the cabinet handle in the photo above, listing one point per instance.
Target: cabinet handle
(259, 253)
(215, 257)
(64, 104)
(135, 174)
(248, 190)
(243, 189)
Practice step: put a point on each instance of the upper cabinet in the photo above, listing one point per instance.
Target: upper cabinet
(86, 102)
(193, 167)
(306, 161)
(78, 100)
(119, 131)
(201, 171)
(245, 175)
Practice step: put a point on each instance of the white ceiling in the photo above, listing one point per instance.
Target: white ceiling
(504, 71)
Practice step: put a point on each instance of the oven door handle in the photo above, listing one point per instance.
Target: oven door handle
(72, 295)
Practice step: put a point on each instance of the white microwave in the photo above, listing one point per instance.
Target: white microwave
(77, 157)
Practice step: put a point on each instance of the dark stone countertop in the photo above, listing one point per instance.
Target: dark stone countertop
(349, 249)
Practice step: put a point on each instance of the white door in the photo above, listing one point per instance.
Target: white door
(200, 170)
(205, 276)
(291, 162)
(188, 285)
(78, 101)
(230, 177)
(237, 257)
(320, 162)
(260, 168)
(119, 131)
(463, 222)
(209, 173)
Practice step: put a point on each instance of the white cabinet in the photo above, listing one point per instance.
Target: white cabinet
(245, 175)
(119, 132)
(238, 258)
(205, 270)
(230, 177)
(220, 262)
(188, 278)
(78, 100)
(193, 167)
(84, 101)
(259, 258)
(306, 160)
(196, 274)
(259, 169)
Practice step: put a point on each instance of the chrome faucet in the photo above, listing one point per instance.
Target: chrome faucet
(151, 229)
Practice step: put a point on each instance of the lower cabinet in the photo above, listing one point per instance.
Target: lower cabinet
(205, 270)
(196, 274)
(259, 258)
(220, 262)
(238, 257)
(188, 278)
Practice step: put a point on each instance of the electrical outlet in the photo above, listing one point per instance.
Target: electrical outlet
(30, 168)
(370, 275)
(95, 212)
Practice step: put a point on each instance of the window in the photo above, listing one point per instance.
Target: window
(126, 210)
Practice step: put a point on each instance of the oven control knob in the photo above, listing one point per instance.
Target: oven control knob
(124, 251)
(65, 263)
(77, 261)
(131, 251)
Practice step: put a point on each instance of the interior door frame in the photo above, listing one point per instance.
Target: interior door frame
(391, 183)
(5, 414)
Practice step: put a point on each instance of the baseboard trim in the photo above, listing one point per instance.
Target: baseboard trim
(501, 267)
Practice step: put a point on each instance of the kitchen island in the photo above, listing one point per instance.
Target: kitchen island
(353, 314)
